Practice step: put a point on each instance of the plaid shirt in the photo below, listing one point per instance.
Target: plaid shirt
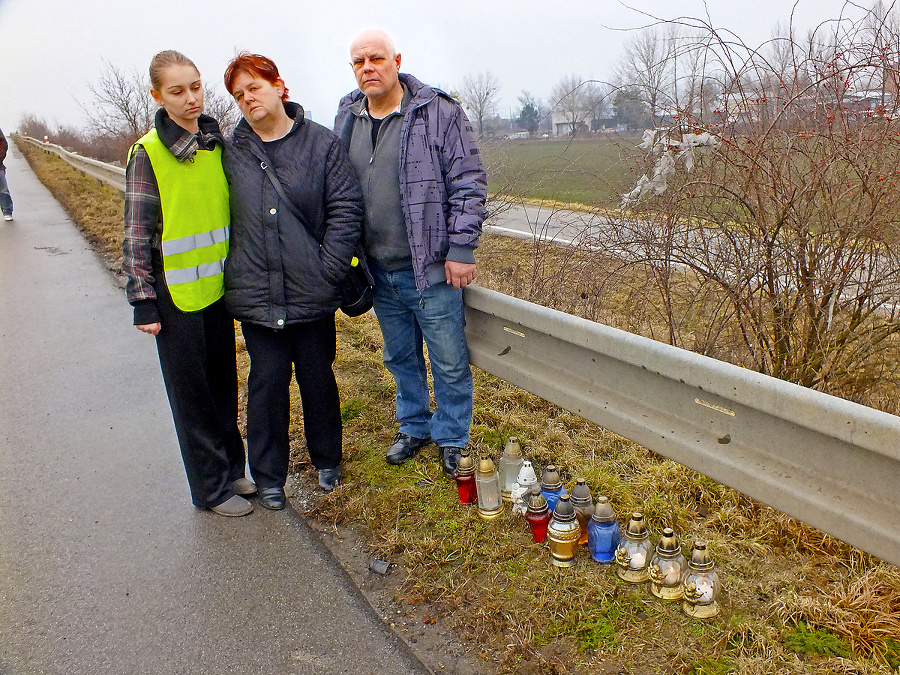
(143, 213)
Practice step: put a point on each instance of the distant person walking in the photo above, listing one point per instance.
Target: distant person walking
(176, 239)
(296, 219)
(425, 188)
(6, 203)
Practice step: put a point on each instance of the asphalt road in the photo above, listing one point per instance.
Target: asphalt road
(105, 566)
(546, 223)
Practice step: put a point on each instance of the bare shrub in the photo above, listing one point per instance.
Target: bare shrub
(779, 213)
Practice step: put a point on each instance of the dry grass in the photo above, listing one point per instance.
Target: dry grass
(96, 208)
(493, 585)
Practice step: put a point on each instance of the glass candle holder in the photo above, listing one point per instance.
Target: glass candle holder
(667, 567)
(562, 533)
(508, 467)
(603, 532)
(551, 485)
(538, 514)
(465, 478)
(487, 485)
(700, 584)
(522, 487)
(634, 551)
(583, 503)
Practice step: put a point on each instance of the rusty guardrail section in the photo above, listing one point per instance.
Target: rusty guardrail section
(824, 460)
(828, 462)
(111, 175)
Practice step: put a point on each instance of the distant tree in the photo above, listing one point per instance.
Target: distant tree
(630, 110)
(34, 126)
(221, 107)
(479, 95)
(530, 115)
(647, 65)
(121, 104)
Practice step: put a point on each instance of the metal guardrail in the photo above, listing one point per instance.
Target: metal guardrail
(111, 175)
(828, 462)
(824, 460)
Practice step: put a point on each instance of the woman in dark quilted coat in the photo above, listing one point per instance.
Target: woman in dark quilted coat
(291, 246)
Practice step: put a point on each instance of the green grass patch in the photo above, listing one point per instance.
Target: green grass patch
(593, 171)
(802, 638)
(891, 653)
(716, 665)
(352, 408)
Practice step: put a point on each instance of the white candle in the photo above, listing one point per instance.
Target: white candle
(637, 559)
(704, 591)
(672, 576)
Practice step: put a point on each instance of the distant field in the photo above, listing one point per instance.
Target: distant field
(592, 171)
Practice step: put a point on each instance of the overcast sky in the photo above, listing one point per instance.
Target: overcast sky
(51, 49)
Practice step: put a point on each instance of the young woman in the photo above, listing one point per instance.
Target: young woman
(291, 246)
(176, 239)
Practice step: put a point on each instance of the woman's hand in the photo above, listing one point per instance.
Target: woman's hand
(150, 328)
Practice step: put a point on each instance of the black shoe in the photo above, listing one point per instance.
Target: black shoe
(405, 447)
(450, 457)
(272, 498)
(329, 478)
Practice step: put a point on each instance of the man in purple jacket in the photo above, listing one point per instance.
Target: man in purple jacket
(424, 186)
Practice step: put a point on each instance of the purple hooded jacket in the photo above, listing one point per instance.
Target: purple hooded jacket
(443, 183)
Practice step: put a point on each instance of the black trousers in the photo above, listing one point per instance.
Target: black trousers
(197, 357)
(309, 347)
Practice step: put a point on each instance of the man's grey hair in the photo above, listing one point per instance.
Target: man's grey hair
(375, 34)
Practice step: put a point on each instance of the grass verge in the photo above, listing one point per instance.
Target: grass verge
(794, 599)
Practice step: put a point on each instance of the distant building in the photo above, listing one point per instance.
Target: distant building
(562, 123)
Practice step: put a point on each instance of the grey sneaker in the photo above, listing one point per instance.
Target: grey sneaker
(233, 506)
(244, 487)
(7, 217)
(329, 478)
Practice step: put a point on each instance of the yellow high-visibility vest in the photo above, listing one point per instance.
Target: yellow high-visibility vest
(196, 218)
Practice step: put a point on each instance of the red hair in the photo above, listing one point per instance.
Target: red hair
(254, 65)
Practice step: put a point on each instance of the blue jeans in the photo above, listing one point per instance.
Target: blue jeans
(6, 204)
(408, 316)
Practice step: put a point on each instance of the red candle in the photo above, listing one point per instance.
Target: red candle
(466, 487)
(538, 523)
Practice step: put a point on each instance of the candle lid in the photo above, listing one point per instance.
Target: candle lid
(603, 511)
(526, 475)
(536, 502)
(485, 466)
(564, 510)
(581, 493)
(637, 529)
(512, 450)
(550, 479)
(466, 466)
(668, 546)
(700, 558)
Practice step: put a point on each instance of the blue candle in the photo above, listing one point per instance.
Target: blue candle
(603, 532)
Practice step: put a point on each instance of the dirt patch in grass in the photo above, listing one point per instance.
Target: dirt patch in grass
(478, 596)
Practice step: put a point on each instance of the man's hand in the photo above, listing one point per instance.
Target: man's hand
(459, 274)
(151, 328)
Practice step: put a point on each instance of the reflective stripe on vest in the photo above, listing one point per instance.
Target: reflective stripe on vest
(186, 275)
(196, 217)
(192, 241)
